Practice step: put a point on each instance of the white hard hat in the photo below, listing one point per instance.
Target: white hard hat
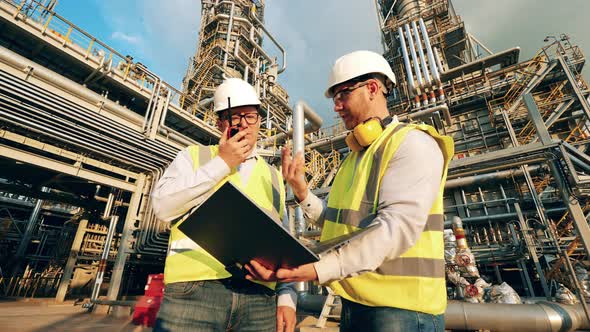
(239, 91)
(357, 64)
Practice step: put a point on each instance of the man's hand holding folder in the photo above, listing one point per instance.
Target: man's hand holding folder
(257, 271)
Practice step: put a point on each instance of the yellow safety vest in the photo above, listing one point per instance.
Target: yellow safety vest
(415, 280)
(186, 260)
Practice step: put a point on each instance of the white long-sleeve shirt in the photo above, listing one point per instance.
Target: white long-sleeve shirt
(408, 189)
(180, 189)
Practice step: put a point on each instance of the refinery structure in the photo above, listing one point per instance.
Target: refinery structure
(86, 132)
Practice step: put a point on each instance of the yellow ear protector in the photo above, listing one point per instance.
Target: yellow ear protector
(364, 134)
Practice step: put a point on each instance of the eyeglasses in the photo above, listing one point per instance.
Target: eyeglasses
(343, 94)
(251, 118)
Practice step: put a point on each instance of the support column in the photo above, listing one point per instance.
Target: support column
(24, 243)
(71, 263)
(524, 227)
(123, 250)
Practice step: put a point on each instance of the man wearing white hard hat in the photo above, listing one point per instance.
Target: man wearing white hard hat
(391, 279)
(200, 294)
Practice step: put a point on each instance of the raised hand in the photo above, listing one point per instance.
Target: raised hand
(294, 173)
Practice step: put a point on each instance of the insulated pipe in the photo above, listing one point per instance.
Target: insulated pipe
(427, 80)
(429, 52)
(541, 316)
(228, 36)
(71, 110)
(416, 115)
(272, 38)
(299, 147)
(470, 180)
(414, 57)
(258, 47)
(315, 122)
(438, 59)
(410, 77)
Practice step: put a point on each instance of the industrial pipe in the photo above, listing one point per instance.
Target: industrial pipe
(229, 29)
(410, 76)
(63, 83)
(315, 122)
(272, 38)
(427, 80)
(429, 52)
(416, 115)
(299, 147)
(470, 180)
(414, 57)
(541, 316)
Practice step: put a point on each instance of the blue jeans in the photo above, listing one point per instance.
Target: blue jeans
(217, 305)
(357, 317)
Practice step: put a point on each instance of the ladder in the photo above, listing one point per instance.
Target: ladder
(331, 302)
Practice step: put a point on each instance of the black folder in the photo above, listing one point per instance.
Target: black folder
(234, 230)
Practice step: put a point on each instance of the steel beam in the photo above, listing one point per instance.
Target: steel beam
(524, 228)
(123, 250)
(71, 263)
(571, 202)
(24, 243)
(61, 167)
(574, 84)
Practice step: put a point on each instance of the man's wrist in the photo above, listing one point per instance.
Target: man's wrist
(300, 196)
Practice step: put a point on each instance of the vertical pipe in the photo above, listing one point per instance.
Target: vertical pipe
(107, 246)
(104, 258)
(298, 146)
(228, 36)
(438, 59)
(414, 56)
(429, 52)
(410, 77)
(32, 222)
(427, 80)
(128, 227)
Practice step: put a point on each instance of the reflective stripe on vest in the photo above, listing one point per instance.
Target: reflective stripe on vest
(186, 260)
(416, 279)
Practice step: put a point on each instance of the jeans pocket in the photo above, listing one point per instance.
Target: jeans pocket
(184, 288)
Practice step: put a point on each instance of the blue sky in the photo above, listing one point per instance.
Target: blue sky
(163, 34)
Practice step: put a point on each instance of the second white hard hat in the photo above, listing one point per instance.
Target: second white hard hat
(357, 64)
(239, 91)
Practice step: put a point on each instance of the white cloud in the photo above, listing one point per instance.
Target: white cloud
(131, 39)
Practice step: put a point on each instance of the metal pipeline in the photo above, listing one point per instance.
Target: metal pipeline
(414, 57)
(95, 122)
(427, 80)
(272, 38)
(429, 52)
(416, 115)
(410, 76)
(470, 180)
(63, 83)
(299, 147)
(438, 59)
(229, 29)
(315, 122)
(541, 316)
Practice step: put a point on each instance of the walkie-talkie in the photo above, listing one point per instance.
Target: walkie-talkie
(232, 131)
